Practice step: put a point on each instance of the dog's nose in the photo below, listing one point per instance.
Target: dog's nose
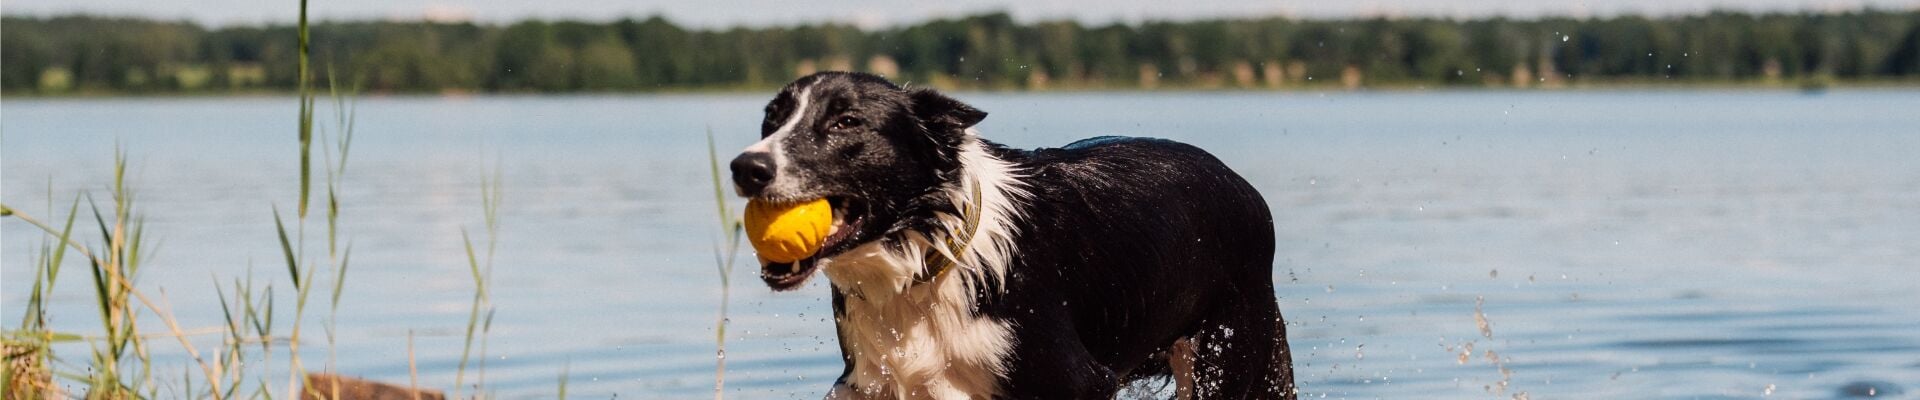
(752, 171)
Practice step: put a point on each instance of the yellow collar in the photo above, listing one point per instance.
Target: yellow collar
(971, 215)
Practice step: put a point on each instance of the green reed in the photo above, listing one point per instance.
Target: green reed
(300, 270)
(481, 268)
(120, 364)
(730, 228)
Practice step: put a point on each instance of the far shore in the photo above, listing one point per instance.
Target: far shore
(1628, 85)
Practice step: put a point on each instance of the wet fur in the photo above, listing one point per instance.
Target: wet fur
(1090, 261)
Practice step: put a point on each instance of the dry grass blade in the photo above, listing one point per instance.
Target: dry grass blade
(413, 368)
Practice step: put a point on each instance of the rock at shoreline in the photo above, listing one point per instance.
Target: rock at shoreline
(331, 387)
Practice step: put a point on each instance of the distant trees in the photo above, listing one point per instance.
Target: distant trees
(990, 51)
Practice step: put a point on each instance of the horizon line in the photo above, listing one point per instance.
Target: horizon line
(455, 17)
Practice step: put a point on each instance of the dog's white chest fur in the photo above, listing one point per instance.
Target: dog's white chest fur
(924, 340)
(919, 342)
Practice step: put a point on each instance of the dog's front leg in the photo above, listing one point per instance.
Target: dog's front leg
(842, 388)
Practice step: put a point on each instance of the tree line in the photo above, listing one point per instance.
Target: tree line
(88, 54)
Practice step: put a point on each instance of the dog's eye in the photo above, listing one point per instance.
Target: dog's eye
(846, 123)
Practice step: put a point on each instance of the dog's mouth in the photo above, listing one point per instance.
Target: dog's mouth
(849, 215)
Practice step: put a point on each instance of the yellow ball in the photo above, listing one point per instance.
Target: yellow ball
(788, 232)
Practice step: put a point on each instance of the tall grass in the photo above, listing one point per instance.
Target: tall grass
(482, 269)
(723, 259)
(300, 270)
(29, 358)
(120, 364)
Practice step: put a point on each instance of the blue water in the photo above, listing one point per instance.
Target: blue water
(1619, 244)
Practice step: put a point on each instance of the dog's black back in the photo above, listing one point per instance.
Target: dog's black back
(1130, 244)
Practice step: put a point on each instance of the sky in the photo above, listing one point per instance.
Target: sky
(882, 13)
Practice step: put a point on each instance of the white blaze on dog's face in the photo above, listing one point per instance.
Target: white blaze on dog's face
(875, 151)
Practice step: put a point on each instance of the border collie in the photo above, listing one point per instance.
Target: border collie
(961, 268)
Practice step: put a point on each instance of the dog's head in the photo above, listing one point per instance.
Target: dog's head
(878, 153)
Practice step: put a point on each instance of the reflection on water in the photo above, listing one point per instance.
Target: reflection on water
(1621, 244)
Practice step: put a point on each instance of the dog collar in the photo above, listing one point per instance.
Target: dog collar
(939, 264)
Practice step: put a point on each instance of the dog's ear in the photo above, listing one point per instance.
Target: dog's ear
(942, 113)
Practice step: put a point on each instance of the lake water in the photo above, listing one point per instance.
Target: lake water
(1618, 244)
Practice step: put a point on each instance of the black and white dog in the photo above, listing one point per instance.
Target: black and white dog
(964, 269)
